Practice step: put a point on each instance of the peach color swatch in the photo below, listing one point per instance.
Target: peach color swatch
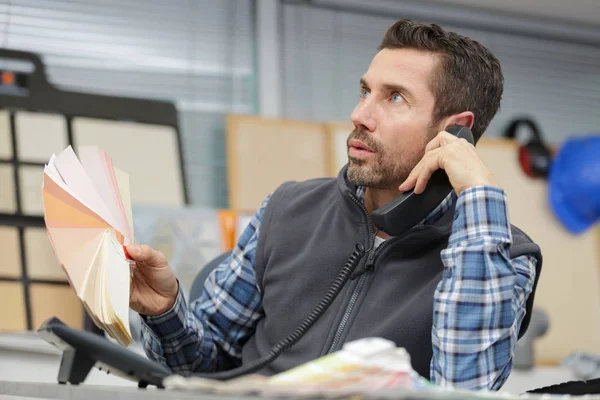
(87, 211)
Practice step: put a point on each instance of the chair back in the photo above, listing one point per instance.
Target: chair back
(198, 284)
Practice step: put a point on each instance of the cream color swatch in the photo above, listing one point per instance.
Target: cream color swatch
(80, 197)
(41, 260)
(30, 184)
(10, 252)
(13, 317)
(149, 154)
(569, 286)
(55, 301)
(8, 202)
(6, 147)
(39, 135)
(262, 154)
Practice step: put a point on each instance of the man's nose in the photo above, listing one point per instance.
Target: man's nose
(364, 115)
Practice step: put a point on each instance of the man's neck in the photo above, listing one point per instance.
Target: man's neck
(377, 198)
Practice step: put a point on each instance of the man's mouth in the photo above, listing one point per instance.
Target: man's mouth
(358, 150)
(358, 145)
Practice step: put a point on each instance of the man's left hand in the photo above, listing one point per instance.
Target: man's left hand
(457, 157)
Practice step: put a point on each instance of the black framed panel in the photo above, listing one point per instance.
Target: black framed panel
(30, 106)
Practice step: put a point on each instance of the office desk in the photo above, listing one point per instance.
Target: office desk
(28, 365)
(48, 391)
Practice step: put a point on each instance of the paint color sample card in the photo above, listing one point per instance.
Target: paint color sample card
(10, 254)
(8, 202)
(6, 146)
(12, 318)
(29, 188)
(39, 135)
(87, 210)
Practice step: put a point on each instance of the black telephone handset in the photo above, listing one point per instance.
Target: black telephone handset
(408, 209)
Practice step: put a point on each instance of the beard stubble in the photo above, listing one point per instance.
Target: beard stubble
(387, 169)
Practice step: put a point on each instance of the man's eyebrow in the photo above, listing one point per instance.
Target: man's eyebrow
(390, 88)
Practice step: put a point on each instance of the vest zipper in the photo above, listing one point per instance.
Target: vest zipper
(368, 266)
(360, 271)
(363, 277)
(370, 235)
(338, 334)
(370, 263)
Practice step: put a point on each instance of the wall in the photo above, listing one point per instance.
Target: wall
(325, 51)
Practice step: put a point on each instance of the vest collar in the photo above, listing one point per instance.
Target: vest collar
(431, 229)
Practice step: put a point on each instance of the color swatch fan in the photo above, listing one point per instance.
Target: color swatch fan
(87, 210)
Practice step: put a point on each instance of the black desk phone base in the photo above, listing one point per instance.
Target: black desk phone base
(84, 350)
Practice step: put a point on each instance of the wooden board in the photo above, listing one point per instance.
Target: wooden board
(39, 135)
(8, 202)
(41, 259)
(10, 254)
(55, 301)
(6, 146)
(13, 315)
(148, 153)
(264, 153)
(337, 136)
(568, 289)
(30, 186)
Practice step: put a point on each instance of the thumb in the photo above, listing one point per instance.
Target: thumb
(147, 255)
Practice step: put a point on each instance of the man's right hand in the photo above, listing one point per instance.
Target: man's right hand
(154, 287)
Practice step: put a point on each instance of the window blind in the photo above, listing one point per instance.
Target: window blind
(326, 51)
(197, 53)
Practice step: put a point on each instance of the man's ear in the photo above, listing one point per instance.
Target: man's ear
(465, 118)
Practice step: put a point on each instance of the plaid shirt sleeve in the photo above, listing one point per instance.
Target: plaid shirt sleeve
(208, 335)
(480, 302)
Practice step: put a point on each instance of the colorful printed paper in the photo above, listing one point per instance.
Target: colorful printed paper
(363, 366)
(368, 368)
(87, 211)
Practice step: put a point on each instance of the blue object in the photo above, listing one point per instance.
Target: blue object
(574, 183)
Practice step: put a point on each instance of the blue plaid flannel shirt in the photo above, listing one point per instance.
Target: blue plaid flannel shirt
(479, 303)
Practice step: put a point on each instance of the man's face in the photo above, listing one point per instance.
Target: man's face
(393, 118)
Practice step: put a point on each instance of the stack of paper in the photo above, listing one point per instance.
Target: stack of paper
(87, 209)
(362, 367)
(368, 368)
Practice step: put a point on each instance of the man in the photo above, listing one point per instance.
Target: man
(454, 291)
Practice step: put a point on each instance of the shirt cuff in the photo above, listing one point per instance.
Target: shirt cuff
(170, 322)
(481, 211)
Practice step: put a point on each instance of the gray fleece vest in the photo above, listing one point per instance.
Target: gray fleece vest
(308, 231)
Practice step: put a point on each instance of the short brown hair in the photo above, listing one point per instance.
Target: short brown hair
(469, 77)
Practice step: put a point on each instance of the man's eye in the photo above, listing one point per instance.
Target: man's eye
(364, 92)
(396, 98)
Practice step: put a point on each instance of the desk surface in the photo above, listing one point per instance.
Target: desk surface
(47, 391)
(29, 366)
